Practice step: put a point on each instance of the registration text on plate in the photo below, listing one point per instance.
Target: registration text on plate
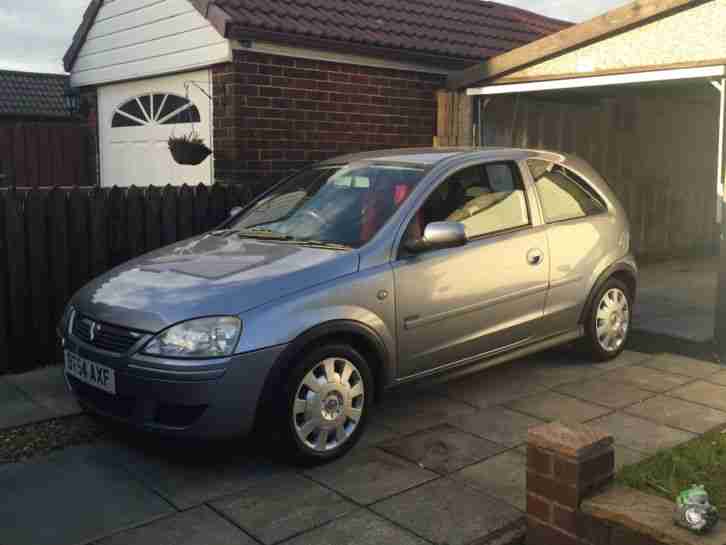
(90, 372)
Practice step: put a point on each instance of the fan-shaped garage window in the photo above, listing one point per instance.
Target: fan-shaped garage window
(156, 109)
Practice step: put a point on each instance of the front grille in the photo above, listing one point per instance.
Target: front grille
(104, 336)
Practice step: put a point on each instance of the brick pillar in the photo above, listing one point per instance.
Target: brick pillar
(564, 465)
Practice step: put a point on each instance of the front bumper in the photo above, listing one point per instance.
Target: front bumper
(220, 401)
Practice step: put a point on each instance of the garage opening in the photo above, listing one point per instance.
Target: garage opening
(656, 137)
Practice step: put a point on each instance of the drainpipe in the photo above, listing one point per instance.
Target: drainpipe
(720, 314)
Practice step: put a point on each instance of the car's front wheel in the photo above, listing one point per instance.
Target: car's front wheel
(608, 322)
(328, 399)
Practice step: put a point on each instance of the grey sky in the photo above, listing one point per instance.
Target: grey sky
(36, 33)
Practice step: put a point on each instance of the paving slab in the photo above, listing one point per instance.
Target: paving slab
(444, 511)
(198, 526)
(377, 433)
(718, 378)
(647, 378)
(369, 475)
(682, 365)
(608, 393)
(442, 449)
(360, 528)
(697, 327)
(497, 424)
(495, 386)
(283, 506)
(406, 412)
(187, 478)
(17, 409)
(551, 406)
(504, 476)
(678, 413)
(705, 393)
(625, 456)
(625, 359)
(640, 434)
(73, 496)
(47, 387)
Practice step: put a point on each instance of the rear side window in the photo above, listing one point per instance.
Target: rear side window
(563, 194)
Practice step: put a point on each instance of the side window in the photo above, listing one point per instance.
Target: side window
(487, 199)
(564, 195)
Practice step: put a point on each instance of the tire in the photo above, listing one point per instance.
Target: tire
(327, 401)
(608, 321)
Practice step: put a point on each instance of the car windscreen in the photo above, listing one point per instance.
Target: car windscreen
(344, 205)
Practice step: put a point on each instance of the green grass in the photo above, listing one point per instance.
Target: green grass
(700, 461)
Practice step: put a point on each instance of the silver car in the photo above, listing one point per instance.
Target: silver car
(347, 279)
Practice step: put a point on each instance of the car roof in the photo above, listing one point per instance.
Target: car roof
(431, 156)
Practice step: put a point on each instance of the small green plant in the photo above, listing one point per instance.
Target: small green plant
(191, 138)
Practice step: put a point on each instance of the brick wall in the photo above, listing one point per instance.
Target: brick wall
(277, 114)
(564, 466)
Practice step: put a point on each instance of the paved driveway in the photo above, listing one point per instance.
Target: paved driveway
(443, 464)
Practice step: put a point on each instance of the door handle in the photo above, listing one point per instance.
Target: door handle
(534, 257)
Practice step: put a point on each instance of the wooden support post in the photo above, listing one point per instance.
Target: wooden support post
(720, 314)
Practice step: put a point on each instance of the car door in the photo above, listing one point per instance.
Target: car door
(457, 304)
(578, 231)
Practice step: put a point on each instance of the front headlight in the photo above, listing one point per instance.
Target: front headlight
(202, 338)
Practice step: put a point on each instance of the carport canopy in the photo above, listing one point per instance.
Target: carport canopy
(715, 74)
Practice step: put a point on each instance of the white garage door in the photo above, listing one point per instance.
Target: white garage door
(136, 120)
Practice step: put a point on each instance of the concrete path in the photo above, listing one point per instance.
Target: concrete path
(440, 465)
(677, 298)
(34, 397)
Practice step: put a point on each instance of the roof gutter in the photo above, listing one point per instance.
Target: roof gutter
(605, 26)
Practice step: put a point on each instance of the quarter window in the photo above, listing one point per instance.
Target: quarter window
(486, 198)
(563, 194)
(155, 109)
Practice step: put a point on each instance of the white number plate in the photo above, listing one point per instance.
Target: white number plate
(91, 373)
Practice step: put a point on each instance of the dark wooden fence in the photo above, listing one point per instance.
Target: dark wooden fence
(44, 155)
(53, 241)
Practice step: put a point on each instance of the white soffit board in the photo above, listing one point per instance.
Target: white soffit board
(653, 76)
(332, 56)
(132, 39)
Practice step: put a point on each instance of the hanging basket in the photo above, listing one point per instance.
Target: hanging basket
(188, 152)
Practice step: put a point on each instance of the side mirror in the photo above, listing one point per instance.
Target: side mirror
(438, 236)
(236, 211)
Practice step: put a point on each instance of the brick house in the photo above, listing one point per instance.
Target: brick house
(272, 85)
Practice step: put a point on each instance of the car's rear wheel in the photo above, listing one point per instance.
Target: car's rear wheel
(608, 323)
(328, 399)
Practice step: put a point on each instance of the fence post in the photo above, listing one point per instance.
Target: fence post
(99, 231)
(168, 215)
(17, 273)
(136, 221)
(59, 262)
(40, 294)
(4, 364)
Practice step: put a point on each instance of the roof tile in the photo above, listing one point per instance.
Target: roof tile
(461, 29)
(32, 94)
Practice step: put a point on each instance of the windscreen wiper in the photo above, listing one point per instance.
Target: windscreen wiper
(263, 234)
(323, 244)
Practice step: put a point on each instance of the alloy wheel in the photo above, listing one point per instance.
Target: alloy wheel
(328, 404)
(612, 320)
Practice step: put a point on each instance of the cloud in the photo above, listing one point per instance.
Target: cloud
(570, 10)
(36, 33)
